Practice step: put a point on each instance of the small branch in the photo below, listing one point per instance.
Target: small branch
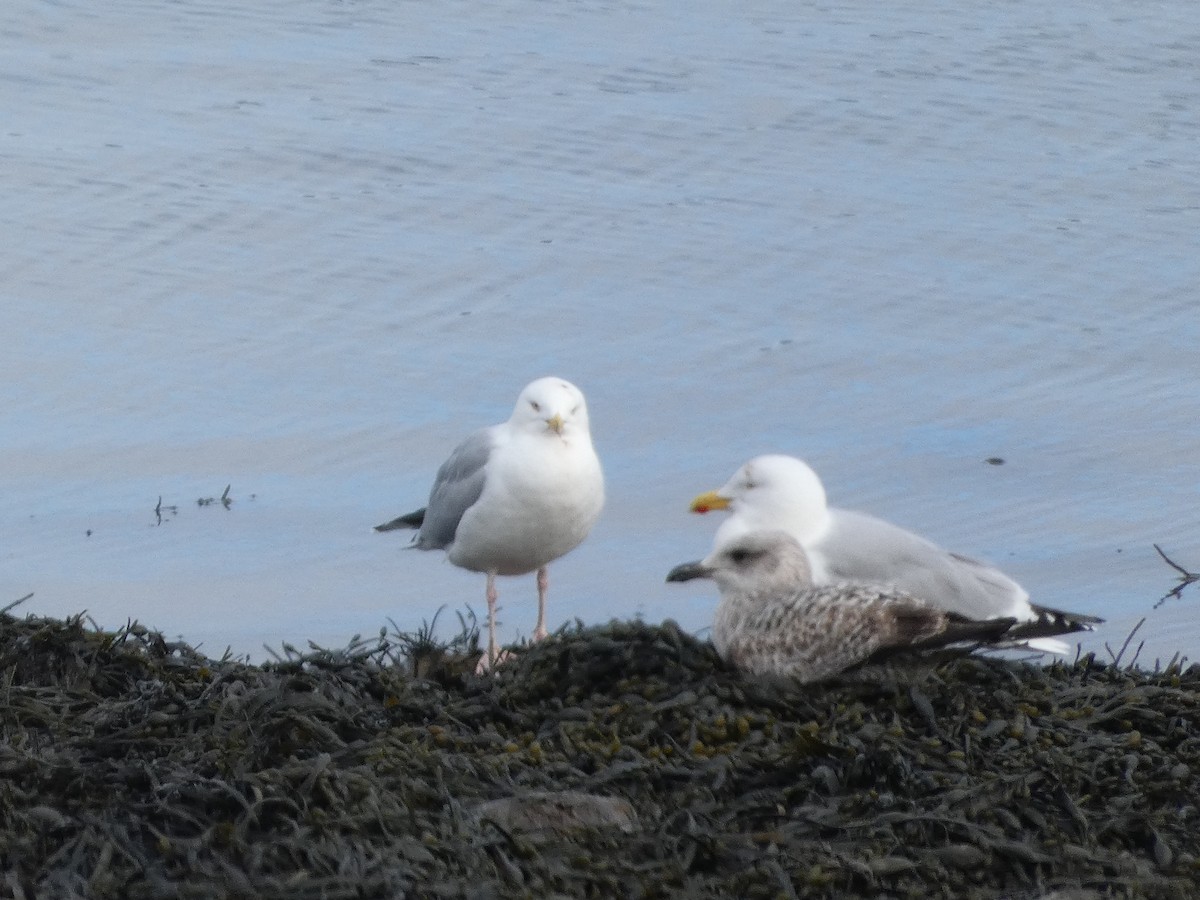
(225, 500)
(1191, 576)
(1185, 578)
(159, 509)
(1116, 657)
(5, 610)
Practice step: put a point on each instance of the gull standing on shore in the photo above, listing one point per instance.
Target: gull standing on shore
(772, 621)
(777, 492)
(514, 497)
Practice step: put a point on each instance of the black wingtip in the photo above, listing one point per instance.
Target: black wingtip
(1052, 622)
(925, 629)
(408, 520)
(984, 631)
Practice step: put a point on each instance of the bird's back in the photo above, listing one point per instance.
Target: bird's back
(861, 548)
(816, 631)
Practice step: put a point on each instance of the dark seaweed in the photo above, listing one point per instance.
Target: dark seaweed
(605, 762)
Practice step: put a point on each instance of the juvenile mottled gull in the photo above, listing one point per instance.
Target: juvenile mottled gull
(516, 496)
(781, 492)
(772, 621)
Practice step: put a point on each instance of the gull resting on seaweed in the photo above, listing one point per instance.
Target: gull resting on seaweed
(782, 492)
(772, 621)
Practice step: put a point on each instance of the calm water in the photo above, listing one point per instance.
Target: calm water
(302, 248)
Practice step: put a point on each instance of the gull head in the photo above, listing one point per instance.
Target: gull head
(553, 406)
(755, 563)
(769, 493)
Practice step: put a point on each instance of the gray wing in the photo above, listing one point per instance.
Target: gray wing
(458, 485)
(862, 548)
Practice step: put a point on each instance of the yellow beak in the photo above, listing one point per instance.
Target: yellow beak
(706, 502)
(556, 423)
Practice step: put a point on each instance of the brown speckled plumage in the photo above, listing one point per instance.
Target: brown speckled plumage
(772, 621)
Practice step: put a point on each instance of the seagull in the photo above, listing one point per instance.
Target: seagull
(514, 497)
(782, 492)
(773, 622)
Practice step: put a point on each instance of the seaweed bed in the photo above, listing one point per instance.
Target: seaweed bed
(616, 761)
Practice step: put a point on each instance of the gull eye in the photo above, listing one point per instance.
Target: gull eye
(537, 407)
(741, 557)
(574, 409)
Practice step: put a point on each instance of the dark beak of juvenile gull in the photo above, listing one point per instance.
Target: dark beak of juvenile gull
(689, 570)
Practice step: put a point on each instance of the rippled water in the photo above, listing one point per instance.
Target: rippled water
(301, 248)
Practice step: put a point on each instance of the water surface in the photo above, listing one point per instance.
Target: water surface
(302, 248)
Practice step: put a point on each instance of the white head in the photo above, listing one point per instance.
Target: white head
(769, 493)
(758, 563)
(554, 406)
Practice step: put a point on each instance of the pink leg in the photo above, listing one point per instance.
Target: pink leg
(493, 649)
(543, 582)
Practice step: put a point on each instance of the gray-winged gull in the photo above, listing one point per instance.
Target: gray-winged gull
(514, 497)
(781, 492)
(772, 621)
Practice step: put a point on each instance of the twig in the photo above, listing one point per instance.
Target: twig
(1185, 578)
(14, 604)
(1125, 646)
(159, 509)
(225, 500)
